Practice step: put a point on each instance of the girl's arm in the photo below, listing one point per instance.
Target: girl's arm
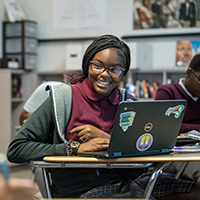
(32, 141)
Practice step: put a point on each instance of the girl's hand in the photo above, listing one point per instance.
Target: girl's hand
(88, 132)
(95, 144)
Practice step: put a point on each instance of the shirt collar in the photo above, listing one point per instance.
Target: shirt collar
(183, 86)
(92, 94)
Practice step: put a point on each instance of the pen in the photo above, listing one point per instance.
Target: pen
(4, 167)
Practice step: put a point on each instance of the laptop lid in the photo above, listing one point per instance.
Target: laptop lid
(146, 127)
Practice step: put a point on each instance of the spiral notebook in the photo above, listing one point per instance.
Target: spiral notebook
(144, 128)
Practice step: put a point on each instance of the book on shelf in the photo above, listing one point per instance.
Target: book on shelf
(146, 90)
(16, 87)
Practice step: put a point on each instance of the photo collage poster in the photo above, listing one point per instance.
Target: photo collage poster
(159, 14)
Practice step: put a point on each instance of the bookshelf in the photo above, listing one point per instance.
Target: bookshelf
(50, 76)
(11, 104)
(159, 75)
(153, 76)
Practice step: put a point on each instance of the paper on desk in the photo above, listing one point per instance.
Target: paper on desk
(193, 134)
(187, 149)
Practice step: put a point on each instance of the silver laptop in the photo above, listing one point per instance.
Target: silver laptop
(144, 128)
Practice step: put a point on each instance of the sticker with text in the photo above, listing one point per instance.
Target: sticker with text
(144, 142)
(126, 119)
(175, 110)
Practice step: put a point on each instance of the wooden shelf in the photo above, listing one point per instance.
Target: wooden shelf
(65, 39)
(159, 35)
(169, 70)
(17, 100)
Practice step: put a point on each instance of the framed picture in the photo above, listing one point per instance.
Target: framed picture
(14, 11)
(166, 16)
(185, 50)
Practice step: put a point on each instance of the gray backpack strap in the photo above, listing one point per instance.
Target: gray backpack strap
(61, 96)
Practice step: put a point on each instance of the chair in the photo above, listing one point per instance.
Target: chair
(43, 180)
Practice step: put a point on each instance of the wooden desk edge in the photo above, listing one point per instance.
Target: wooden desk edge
(141, 159)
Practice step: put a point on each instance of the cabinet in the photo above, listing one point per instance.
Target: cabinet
(11, 103)
(20, 42)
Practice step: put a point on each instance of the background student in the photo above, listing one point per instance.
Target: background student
(35, 100)
(95, 91)
(186, 88)
(17, 189)
(14, 188)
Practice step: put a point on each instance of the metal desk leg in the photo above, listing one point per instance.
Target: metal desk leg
(46, 179)
(182, 168)
(152, 180)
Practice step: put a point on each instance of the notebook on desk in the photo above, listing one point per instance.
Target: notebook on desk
(144, 128)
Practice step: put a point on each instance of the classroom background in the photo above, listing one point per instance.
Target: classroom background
(59, 46)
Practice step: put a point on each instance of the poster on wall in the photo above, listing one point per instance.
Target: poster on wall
(166, 14)
(185, 50)
(77, 14)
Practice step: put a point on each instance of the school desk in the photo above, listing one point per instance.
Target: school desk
(156, 162)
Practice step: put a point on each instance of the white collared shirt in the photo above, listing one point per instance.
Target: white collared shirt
(183, 86)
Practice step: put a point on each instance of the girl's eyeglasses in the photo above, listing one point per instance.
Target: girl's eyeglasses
(114, 72)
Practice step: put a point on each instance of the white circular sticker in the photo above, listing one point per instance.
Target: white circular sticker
(144, 142)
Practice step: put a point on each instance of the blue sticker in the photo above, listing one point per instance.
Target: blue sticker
(126, 120)
(144, 142)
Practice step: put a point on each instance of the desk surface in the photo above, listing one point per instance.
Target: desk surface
(181, 137)
(139, 159)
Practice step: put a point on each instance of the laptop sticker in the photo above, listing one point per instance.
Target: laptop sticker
(148, 127)
(144, 142)
(126, 120)
(175, 110)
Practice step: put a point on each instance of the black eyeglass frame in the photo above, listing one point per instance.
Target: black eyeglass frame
(195, 75)
(107, 69)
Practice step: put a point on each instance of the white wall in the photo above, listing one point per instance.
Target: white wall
(51, 55)
(119, 19)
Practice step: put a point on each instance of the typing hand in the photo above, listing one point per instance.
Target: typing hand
(95, 144)
(88, 132)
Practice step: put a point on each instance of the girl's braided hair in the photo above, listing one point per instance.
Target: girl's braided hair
(99, 44)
